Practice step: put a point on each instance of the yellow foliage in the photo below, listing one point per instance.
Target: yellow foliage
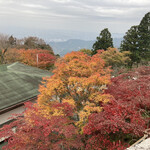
(69, 101)
(113, 57)
(88, 109)
(97, 97)
(78, 80)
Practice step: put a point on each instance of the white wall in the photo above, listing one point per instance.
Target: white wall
(5, 116)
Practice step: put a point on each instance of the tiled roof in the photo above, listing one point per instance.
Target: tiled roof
(18, 83)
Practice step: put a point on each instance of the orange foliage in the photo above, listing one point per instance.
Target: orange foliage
(12, 55)
(29, 57)
(77, 78)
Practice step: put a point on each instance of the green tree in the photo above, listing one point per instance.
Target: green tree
(104, 41)
(144, 37)
(12, 41)
(130, 43)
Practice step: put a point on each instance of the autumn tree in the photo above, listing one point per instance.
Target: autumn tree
(31, 56)
(116, 127)
(79, 80)
(26, 51)
(45, 60)
(126, 116)
(65, 102)
(103, 41)
(33, 131)
(133, 88)
(114, 58)
(12, 55)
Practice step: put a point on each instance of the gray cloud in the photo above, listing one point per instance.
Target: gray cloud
(76, 15)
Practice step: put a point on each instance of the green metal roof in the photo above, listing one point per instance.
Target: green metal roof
(18, 83)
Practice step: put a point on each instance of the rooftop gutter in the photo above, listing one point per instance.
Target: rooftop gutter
(17, 105)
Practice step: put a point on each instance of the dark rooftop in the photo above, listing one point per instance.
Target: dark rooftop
(19, 83)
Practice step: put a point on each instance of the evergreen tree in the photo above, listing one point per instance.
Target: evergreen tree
(104, 41)
(130, 43)
(12, 41)
(144, 37)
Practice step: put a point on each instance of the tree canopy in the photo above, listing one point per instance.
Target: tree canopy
(35, 43)
(33, 57)
(130, 43)
(103, 41)
(114, 58)
(137, 41)
(144, 37)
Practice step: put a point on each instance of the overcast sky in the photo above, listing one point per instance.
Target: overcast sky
(71, 15)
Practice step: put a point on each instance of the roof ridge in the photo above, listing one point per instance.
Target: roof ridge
(29, 74)
(8, 66)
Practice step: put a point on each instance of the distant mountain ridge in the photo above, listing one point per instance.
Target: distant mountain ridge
(65, 47)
